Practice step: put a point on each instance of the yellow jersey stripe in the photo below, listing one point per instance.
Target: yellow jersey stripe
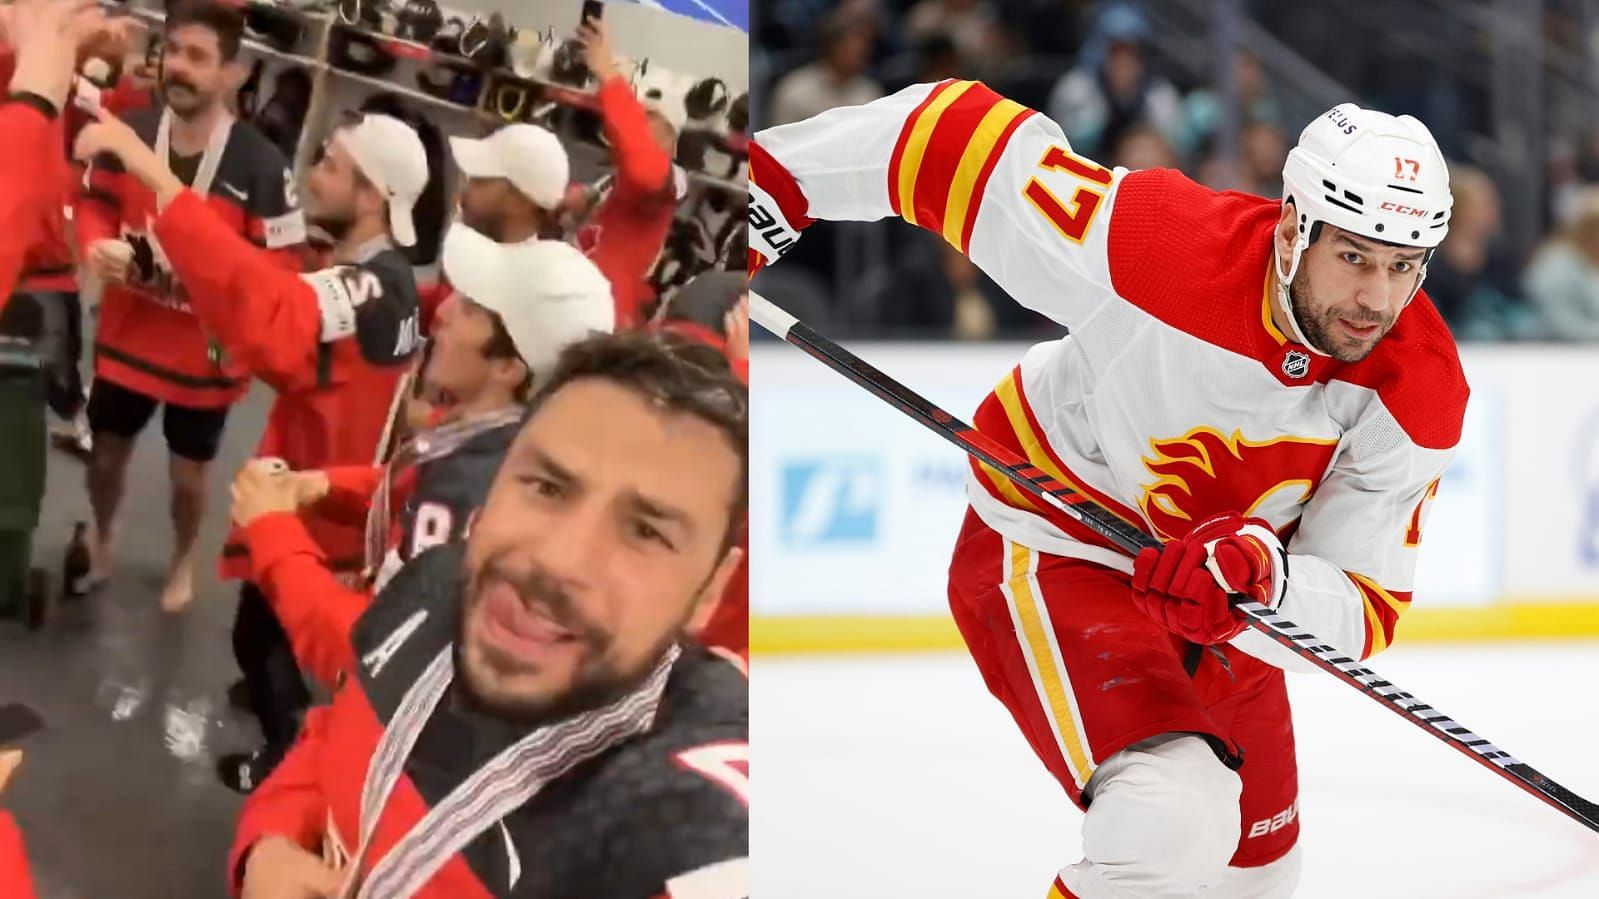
(983, 144)
(910, 162)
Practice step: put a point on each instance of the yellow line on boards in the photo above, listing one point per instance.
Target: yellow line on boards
(811, 634)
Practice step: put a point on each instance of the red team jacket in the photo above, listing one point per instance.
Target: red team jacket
(31, 155)
(625, 235)
(32, 163)
(150, 339)
(334, 344)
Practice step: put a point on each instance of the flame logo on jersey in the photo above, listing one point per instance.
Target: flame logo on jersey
(1202, 473)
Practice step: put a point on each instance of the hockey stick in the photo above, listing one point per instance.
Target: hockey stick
(1100, 520)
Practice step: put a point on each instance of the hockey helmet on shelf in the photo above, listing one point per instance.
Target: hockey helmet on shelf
(448, 38)
(488, 43)
(1372, 174)
(273, 26)
(355, 51)
(419, 20)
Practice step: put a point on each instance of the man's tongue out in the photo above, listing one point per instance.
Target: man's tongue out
(518, 625)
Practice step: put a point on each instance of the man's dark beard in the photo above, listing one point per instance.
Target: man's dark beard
(197, 104)
(337, 226)
(490, 224)
(597, 682)
(1320, 331)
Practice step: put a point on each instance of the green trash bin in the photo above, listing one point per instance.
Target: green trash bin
(22, 474)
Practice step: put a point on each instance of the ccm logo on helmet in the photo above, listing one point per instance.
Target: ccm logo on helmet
(1401, 209)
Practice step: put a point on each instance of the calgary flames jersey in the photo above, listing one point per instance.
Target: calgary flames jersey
(1174, 397)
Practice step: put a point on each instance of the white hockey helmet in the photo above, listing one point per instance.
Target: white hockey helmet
(1372, 174)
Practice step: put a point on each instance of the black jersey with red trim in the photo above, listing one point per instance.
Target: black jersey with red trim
(435, 501)
(664, 814)
(149, 339)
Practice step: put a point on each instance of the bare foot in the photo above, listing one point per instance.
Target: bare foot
(179, 589)
(100, 555)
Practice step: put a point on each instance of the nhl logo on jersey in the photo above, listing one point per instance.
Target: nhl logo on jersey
(1296, 364)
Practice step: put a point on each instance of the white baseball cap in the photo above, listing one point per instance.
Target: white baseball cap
(546, 292)
(528, 156)
(390, 154)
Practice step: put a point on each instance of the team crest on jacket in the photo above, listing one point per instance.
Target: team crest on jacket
(1202, 473)
(1296, 364)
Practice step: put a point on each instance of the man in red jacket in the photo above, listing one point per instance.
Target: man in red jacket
(152, 349)
(47, 34)
(625, 234)
(527, 718)
(334, 344)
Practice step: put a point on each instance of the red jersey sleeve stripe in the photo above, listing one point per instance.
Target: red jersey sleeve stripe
(770, 175)
(949, 135)
(912, 143)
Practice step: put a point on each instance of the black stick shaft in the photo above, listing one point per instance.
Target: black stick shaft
(1082, 508)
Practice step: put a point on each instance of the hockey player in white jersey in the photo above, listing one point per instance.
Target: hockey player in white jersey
(1261, 384)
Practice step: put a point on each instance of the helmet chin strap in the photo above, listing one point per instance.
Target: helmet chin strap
(1285, 300)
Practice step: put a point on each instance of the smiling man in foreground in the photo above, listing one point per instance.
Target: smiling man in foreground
(528, 718)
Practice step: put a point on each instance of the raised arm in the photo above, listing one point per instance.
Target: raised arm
(993, 178)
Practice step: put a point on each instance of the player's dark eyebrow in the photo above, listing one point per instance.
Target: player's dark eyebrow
(659, 510)
(540, 459)
(1362, 246)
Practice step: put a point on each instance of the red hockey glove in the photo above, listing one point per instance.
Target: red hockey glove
(1184, 584)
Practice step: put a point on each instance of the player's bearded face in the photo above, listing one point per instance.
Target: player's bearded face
(192, 71)
(599, 540)
(1345, 298)
(483, 205)
(330, 191)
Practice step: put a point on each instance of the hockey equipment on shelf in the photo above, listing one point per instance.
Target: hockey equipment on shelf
(452, 81)
(249, 93)
(283, 116)
(510, 100)
(567, 66)
(738, 114)
(419, 20)
(448, 38)
(528, 52)
(355, 51)
(363, 13)
(274, 26)
(1131, 540)
(487, 43)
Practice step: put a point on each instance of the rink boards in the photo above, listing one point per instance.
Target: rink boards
(859, 506)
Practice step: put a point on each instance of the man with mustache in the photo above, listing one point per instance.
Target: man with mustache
(335, 345)
(528, 718)
(1259, 383)
(151, 350)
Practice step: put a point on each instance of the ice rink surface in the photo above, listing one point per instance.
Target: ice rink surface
(902, 777)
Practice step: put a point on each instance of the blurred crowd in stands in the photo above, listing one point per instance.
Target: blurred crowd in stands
(1094, 68)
